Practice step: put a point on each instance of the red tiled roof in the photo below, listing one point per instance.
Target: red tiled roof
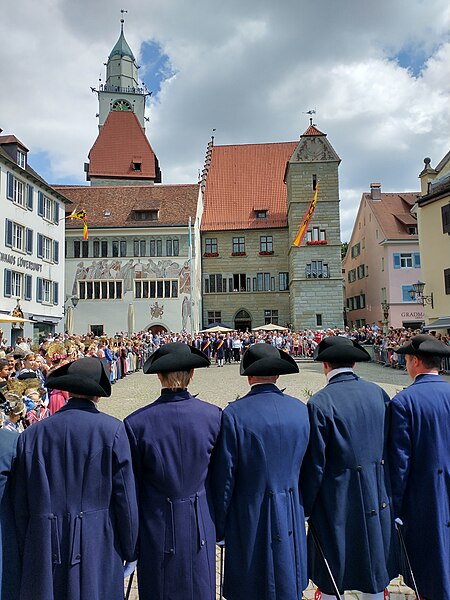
(121, 142)
(175, 203)
(392, 213)
(241, 178)
(312, 130)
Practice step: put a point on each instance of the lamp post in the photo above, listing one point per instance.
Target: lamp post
(68, 313)
(385, 306)
(416, 293)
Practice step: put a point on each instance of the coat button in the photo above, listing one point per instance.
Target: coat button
(290, 532)
(382, 461)
(448, 523)
(383, 505)
(55, 556)
(359, 468)
(202, 543)
(77, 556)
(373, 512)
(278, 538)
(440, 471)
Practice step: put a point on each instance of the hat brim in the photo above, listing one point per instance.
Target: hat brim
(86, 376)
(426, 348)
(267, 365)
(169, 359)
(341, 353)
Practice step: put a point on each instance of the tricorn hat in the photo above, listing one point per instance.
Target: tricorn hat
(86, 376)
(424, 345)
(338, 350)
(265, 359)
(175, 356)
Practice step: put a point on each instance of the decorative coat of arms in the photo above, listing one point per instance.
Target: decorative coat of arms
(156, 311)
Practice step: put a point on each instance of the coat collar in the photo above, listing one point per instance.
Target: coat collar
(171, 396)
(80, 404)
(343, 377)
(427, 378)
(263, 388)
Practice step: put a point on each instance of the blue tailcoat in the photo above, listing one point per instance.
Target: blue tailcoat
(420, 472)
(75, 505)
(258, 507)
(171, 442)
(9, 555)
(345, 486)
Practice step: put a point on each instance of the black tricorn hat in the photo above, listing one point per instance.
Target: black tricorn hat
(86, 376)
(424, 345)
(339, 350)
(27, 375)
(175, 356)
(265, 359)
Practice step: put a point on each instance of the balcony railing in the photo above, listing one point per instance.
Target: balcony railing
(123, 90)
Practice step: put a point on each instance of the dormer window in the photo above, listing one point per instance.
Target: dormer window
(261, 213)
(21, 159)
(145, 215)
(137, 166)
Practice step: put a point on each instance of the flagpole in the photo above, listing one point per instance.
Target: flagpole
(191, 277)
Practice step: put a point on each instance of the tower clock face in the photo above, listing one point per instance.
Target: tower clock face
(121, 105)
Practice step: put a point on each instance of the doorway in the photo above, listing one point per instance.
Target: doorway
(243, 321)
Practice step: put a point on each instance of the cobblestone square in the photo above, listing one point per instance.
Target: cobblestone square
(223, 385)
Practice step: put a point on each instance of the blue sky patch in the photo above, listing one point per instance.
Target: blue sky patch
(155, 66)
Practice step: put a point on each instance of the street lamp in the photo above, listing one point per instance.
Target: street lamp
(416, 293)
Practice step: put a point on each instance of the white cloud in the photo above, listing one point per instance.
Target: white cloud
(249, 69)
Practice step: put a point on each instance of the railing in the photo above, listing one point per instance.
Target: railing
(123, 90)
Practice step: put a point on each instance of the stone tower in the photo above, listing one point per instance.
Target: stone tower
(121, 91)
(315, 273)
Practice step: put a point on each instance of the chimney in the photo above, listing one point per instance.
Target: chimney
(375, 191)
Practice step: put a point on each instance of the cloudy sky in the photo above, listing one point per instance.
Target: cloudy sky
(376, 72)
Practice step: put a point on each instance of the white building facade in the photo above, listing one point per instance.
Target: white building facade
(31, 246)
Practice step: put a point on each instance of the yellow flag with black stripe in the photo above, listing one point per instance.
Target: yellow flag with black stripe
(306, 219)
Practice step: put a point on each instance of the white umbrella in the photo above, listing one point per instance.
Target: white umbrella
(11, 319)
(130, 318)
(69, 320)
(270, 327)
(216, 329)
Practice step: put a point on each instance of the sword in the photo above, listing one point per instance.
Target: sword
(221, 545)
(130, 583)
(408, 563)
(325, 562)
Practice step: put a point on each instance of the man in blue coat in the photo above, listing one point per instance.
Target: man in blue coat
(256, 467)
(74, 494)
(171, 442)
(419, 448)
(344, 477)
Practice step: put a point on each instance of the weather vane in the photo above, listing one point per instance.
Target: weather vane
(310, 113)
(123, 11)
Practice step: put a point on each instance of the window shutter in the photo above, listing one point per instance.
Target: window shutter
(416, 257)
(10, 186)
(40, 245)
(8, 233)
(447, 280)
(55, 251)
(396, 261)
(40, 204)
(29, 241)
(445, 218)
(28, 281)
(7, 284)
(55, 292)
(55, 212)
(39, 289)
(30, 192)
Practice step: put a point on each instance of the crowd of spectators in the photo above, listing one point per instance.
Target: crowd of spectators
(24, 367)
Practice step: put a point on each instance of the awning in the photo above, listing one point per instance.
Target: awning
(441, 323)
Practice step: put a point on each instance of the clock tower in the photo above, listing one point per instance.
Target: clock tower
(122, 154)
(121, 91)
(315, 272)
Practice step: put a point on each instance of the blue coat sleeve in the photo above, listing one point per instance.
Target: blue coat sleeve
(124, 495)
(223, 472)
(399, 451)
(314, 462)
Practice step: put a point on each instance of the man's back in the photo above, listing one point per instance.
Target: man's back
(258, 508)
